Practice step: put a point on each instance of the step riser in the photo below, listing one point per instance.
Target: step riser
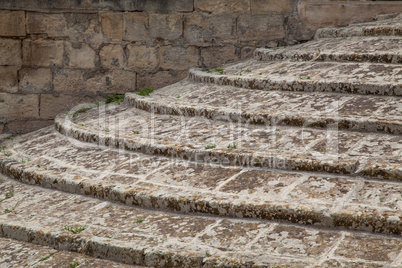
(300, 85)
(365, 31)
(226, 158)
(98, 249)
(264, 119)
(325, 57)
(274, 211)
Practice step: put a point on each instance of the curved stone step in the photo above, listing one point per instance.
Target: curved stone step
(53, 161)
(390, 27)
(159, 239)
(353, 78)
(300, 109)
(15, 253)
(350, 49)
(278, 147)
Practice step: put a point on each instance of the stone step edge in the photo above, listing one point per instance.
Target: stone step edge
(356, 30)
(226, 157)
(100, 247)
(143, 197)
(304, 85)
(231, 115)
(265, 54)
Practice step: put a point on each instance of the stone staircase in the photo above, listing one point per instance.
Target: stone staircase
(290, 159)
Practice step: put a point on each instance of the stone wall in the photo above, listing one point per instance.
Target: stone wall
(58, 53)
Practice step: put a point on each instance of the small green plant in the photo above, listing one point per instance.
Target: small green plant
(259, 73)
(7, 210)
(75, 230)
(8, 154)
(207, 254)
(305, 78)
(232, 146)
(10, 138)
(3, 148)
(44, 258)
(248, 71)
(83, 125)
(106, 130)
(139, 221)
(82, 110)
(136, 132)
(178, 96)
(117, 98)
(8, 196)
(74, 264)
(210, 146)
(146, 91)
(216, 70)
(23, 161)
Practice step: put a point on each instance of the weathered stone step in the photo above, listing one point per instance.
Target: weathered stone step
(15, 253)
(350, 49)
(390, 27)
(301, 109)
(159, 239)
(204, 140)
(339, 77)
(48, 159)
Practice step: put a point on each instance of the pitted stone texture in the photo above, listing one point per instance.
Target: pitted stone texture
(354, 78)
(53, 161)
(160, 239)
(369, 49)
(391, 27)
(267, 146)
(14, 253)
(300, 109)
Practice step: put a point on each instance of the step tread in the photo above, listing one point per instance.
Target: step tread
(280, 147)
(343, 77)
(114, 232)
(14, 253)
(360, 49)
(165, 183)
(354, 112)
(387, 27)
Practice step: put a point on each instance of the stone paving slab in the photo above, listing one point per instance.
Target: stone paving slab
(14, 253)
(160, 239)
(388, 27)
(301, 109)
(382, 49)
(278, 147)
(54, 161)
(339, 77)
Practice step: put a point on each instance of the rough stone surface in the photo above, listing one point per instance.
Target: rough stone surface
(271, 6)
(12, 23)
(9, 81)
(68, 81)
(225, 6)
(35, 80)
(18, 106)
(112, 81)
(80, 55)
(52, 104)
(142, 58)
(112, 56)
(53, 25)
(169, 27)
(112, 25)
(10, 52)
(136, 26)
(42, 53)
(178, 57)
(158, 239)
(267, 27)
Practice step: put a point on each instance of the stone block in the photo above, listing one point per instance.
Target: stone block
(165, 6)
(10, 52)
(179, 58)
(80, 55)
(272, 6)
(112, 25)
(142, 58)
(159, 79)
(53, 25)
(260, 27)
(18, 106)
(35, 80)
(168, 27)
(12, 23)
(247, 52)
(25, 126)
(216, 56)
(223, 6)
(85, 28)
(9, 79)
(136, 26)
(113, 81)
(112, 56)
(68, 81)
(209, 29)
(52, 105)
(42, 52)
